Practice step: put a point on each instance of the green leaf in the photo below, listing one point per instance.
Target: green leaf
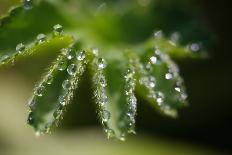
(56, 89)
(22, 25)
(114, 85)
(159, 81)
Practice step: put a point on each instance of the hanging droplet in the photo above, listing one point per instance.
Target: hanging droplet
(66, 84)
(20, 47)
(105, 115)
(62, 65)
(28, 4)
(101, 63)
(40, 90)
(49, 79)
(70, 53)
(57, 29)
(41, 38)
(81, 55)
(72, 69)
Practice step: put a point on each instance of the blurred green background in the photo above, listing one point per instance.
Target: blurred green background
(202, 128)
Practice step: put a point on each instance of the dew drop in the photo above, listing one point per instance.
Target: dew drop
(4, 58)
(32, 104)
(72, 69)
(151, 82)
(66, 84)
(62, 100)
(57, 29)
(122, 137)
(195, 47)
(174, 39)
(49, 79)
(105, 115)
(30, 119)
(37, 133)
(81, 55)
(110, 133)
(158, 34)
(103, 82)
(160, 98)
(58, 112)
(95, 51)
(28, 4)
(101, 63)
(20, 47)
(70, 53)
(41, 38)
(153, 60)
(62, 65)
(178, 89)
(40, 90)
(169, 76)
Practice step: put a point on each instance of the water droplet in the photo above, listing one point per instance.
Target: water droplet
(81, 55)
(103, 82)
(32, 104)
(49, 79)
(20, 47)
(151, 83)
(103, 100)
(62, 65)
(153, 60)
(160, 98)
(40, 90)
(30, 119)
(70, 53)
(122, 137)
(41, 38)
(4, 58)
(57, 29)
(95, 51)
(37, 133)
(28, 4)
(58, 112)
(66, 84)
(105, 115)
(195, 47)
(158, 34)
(62, 100)
(174, 39)
(72, 69)
(101, 63)
(169, 76)
(110, 133)
(178, 89)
